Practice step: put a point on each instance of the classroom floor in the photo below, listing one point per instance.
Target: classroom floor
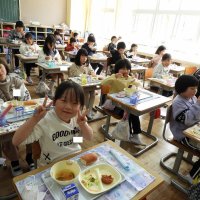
(150, 158)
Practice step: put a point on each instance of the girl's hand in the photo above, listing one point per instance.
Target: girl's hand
(47, 57)
(118, 75)
(41, 110)
(82, 119)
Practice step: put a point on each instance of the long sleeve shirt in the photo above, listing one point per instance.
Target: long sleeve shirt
(185, 113)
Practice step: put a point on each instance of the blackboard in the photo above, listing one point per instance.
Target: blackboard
(9, 10)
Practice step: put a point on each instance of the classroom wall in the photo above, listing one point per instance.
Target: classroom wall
(47, 12)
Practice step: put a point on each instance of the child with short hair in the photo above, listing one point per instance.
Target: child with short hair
(29, 47)
(186, 113)
(89, 46)
(132, 52)
(161, 70)
(75, 36)
(112, 46)
(117, 82)
(58, 37)
(71, 46)
(119, 53)
(17, 34)
(81, 66)
(7, 84)
(65, 121)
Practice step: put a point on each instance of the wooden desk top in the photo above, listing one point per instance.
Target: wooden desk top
(138, 68)
(98, 59)
(27, 58)
(139, 60)
(163, 83)
(71, 54)
(56, 67)
(149, 105)
(93, 83)
(193, 133)
(13, 45)
(139, 196)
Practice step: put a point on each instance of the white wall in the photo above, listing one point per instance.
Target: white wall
(47, 12)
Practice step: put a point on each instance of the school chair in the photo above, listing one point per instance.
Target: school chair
(179, 155)
(36, 151)
(190, 70)
(105, 89)
(108, 66)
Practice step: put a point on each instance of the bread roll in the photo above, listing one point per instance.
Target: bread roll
(29, 103)
(89, 158)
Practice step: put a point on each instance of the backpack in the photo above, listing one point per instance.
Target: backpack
(42, 89)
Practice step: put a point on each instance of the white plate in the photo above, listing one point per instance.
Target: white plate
(97, 186)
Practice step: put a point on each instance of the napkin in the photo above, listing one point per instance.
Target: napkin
(120, 160)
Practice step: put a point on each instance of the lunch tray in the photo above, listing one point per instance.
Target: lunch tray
(55, 189)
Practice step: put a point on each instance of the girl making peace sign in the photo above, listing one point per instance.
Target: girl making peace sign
(56, 128)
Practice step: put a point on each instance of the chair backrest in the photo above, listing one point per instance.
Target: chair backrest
(167, 120)
(190, 70)
(105, 89)
(36, 150)
(148, 73)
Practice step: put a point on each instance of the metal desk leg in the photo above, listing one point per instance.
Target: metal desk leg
(148, 134)
(43, 75)
(144, 77)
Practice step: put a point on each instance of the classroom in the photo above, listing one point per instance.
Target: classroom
(99, 99)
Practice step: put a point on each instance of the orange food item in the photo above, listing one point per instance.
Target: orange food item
(107, 179)
(89, 158)
(65, 175)
(29, 103)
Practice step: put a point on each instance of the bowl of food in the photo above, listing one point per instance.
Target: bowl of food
(65, 172)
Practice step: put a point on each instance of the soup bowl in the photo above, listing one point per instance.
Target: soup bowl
(65, 172)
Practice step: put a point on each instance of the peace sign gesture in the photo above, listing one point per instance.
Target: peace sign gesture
(41, 110)
(82, 119)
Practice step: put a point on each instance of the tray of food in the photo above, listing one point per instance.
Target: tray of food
(87, 178)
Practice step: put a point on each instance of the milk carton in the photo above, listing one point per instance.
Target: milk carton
(70, 192)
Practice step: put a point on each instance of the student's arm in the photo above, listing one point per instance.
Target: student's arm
(23, 49)
(86, 130)
(41, 57)
(186, 115)
(24, 131)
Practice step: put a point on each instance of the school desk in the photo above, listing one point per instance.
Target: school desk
(139, 69)
(3, 55)
(12, 46)
(70, 54)
(27, 59)
(163, 84)
(97, 59)
(61, 48)
(103, 148)
(193, 133)
(148, 104)
(176, 70)
(46, 69)
(139, 61)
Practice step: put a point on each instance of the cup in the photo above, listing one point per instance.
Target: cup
(2, 121)
(134, 99)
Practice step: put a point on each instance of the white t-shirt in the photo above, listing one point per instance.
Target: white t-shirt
(55, 137)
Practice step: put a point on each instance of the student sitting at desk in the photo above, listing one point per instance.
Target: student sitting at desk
(17, 34)
(162, 70)
(112, 46)
(75, 36)
(186, 113)
(89, 46)
(119, 53)
(81, 66)
(157, 58)
(28, 48)
(118, 82)
(65, 121)
(7, 84)
(71, 46)
(58, 38)
(50, 53)
(132, 52)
